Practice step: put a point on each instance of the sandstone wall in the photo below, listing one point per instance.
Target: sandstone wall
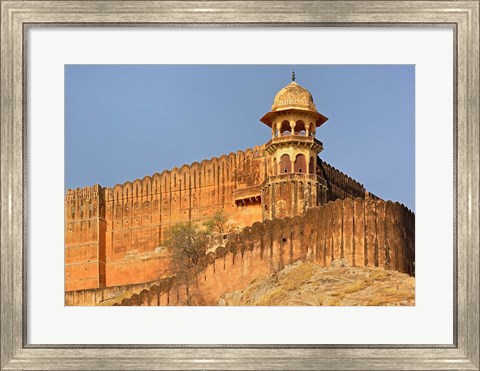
(138, 214)
(364, 232)
(146, 208)
(100, 233)
(339, 185)
(99, 295)
(287, 195)
(104, 225)
(85, 238)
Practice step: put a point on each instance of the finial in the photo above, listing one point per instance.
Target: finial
(293, 74)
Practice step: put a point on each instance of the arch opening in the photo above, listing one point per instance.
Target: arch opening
(300, 165)
(285, 128)
(299, 127)
(285, 164)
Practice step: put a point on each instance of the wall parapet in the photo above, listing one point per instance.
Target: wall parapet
(151, 185)
(103, 224)
(364, 232)
(340, 184)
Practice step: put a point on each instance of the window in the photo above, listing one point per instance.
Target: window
(300, 165)
(285, 163)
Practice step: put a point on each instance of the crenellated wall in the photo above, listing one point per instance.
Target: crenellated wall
(339, 185)
(85, 227)
(103, 226)
(365, 232)
(99, 295)
(139, 213)
(100, 233)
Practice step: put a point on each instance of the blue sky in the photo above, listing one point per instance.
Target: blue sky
(123, 122)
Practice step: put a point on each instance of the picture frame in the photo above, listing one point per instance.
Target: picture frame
(16, 16)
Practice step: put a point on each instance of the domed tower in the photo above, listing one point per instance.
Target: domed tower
(292, 185)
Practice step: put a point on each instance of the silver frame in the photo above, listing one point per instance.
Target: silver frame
(17, 15)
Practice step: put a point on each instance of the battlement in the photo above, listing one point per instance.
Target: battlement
(370, 233)
(103, 225)
(340, 184)
(86, 193)
(206, 172)
(85, 203)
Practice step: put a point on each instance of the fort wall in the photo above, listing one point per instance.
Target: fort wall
(85, 227)
(136, 215)
(364, 232)
(104, 225)
(99, 295)
(339, 185)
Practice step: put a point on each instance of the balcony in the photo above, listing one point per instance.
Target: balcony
(297, 140)
(290, 177)
(249, 194)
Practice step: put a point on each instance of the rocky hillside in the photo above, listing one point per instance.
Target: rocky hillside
(309, 284)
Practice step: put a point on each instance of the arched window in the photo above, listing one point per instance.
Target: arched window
(300, 165)
(285, 128)
(299, 128)
(311, 166)
(285, 164)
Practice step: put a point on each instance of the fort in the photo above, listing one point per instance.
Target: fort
(285, 202)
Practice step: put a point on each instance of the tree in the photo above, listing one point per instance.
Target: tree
(187, 244)
(218, 224)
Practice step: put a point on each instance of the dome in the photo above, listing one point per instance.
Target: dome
(293, 99)
(293, 96)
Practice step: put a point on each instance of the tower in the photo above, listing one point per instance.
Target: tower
(292, 185)
(85, 228)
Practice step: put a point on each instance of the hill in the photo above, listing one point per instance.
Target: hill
(309, 284)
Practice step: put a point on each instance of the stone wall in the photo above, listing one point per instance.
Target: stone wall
(147, 208)
(85, 238)
(104, 225)
(367, 232)
(103, 228)
(339, 185)
(97, 296)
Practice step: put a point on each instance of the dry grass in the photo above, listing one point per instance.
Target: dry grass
(357, 286)
(310, 284)
(287, 283)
